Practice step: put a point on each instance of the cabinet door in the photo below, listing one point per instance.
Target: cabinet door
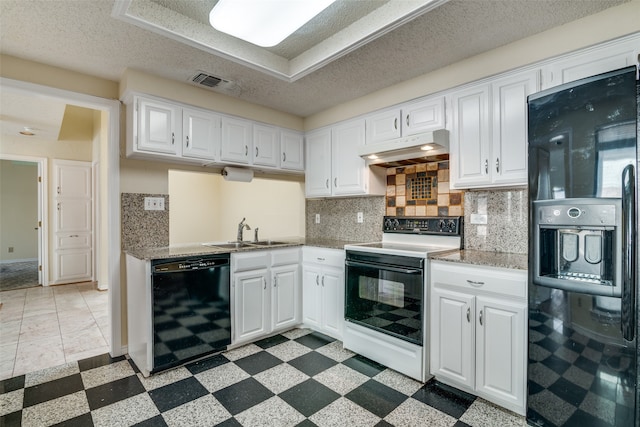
(500, 351)
(285, 297)
(251, 305)
(509, 151)
(470, 138)
(332, 284)
(158, 126)
(72, 265)
(318, 163)
(452, 349)
(236, 140)
(601, 59)
(73, 180)
(266, 145)
(73, 215)
(383, 126)
(349, 168)
(201, 132)
(311, 291)
(423, 116)
(291, 150)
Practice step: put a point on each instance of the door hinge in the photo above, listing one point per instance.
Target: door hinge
(39, 268)
(39, 179)
(39, 223)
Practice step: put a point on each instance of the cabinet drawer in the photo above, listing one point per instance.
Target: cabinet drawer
(73, 241)
(285, 257)
(333, 257)
(511, 283)
(250, 260)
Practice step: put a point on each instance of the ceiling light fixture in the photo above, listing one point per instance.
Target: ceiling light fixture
(27, 131)
(264, 22)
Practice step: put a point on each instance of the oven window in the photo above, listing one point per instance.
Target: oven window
(386, 300)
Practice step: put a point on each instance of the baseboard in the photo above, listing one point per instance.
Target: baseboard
(11, 261)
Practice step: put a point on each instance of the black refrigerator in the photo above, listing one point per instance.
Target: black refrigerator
(583, 252)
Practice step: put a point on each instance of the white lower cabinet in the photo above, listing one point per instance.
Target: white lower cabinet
(478, 331)
(323, 290)
(266, 292)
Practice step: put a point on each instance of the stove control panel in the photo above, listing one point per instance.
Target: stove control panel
(450, 225)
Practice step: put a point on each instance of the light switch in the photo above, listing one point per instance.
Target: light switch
(360, 217)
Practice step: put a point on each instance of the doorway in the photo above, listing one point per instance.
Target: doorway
(109, 250)
(22, 222)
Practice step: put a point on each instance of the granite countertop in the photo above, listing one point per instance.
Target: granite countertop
(200, 249)
(484, 258)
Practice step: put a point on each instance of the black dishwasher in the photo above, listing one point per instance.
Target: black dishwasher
(191, 308)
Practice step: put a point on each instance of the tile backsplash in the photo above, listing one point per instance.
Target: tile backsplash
(141, 228)
(507, 217)
(338, 218)
(422, 190)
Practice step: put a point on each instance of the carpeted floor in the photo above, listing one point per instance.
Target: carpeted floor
(18, 275)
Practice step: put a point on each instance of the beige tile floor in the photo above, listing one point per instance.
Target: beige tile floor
(44, 327)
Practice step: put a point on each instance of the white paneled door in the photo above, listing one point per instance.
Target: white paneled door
(73, 222)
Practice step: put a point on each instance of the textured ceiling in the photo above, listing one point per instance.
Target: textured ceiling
(84, 36)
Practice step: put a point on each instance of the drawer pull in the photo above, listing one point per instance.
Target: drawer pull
(474, 283)
(320, 259)
(317, 280)
(480, 317)
(468, 315)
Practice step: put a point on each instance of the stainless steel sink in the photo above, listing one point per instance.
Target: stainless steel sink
(268, 243)
(231, 245)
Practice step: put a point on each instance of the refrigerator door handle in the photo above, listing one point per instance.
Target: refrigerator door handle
(628, 253)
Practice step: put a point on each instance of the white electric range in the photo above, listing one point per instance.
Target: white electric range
(386, 291)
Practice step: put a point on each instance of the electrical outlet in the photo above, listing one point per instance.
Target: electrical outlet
(478, 219)
(360, 217)
(317, 218)
(10, 249)
(154, 203)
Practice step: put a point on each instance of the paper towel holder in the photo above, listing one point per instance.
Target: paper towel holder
(237, 174)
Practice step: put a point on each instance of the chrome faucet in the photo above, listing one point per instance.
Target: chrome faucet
(255, 235)
(241, 228)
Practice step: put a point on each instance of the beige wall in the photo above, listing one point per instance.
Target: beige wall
(607, 25)
(18, 210)
(205, 207)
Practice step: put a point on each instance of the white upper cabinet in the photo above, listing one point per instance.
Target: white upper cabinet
(509, 133)
(266, 145)
(236, 140)
(201, 134)
(333, 166)
(489, 132)
(158, 126)
(592, 61)
(291, 150)
(422, 116)
(348, 167)
(409, 119)
(318, 170)
(384, 125)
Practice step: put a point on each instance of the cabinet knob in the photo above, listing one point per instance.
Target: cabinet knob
(395, 123)
(173, 138)
(256, 151)
(326, 184)
(323, 281)
(317, 280)
(468, 315)
(335, 182)
(284, 157)
(246, 150)
(275, 281)
(187, 141)
(498, 165)
(407, 120)
(486, 166)
(480, 317)
(265, 283)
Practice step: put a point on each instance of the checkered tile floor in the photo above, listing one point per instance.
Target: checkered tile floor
(298, 378)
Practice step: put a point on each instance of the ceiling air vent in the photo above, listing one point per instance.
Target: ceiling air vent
(209, 81)
(206, 80)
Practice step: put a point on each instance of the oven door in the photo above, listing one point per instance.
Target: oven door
(386, 293)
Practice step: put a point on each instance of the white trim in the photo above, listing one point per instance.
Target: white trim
(113, 185)
(43, 212)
